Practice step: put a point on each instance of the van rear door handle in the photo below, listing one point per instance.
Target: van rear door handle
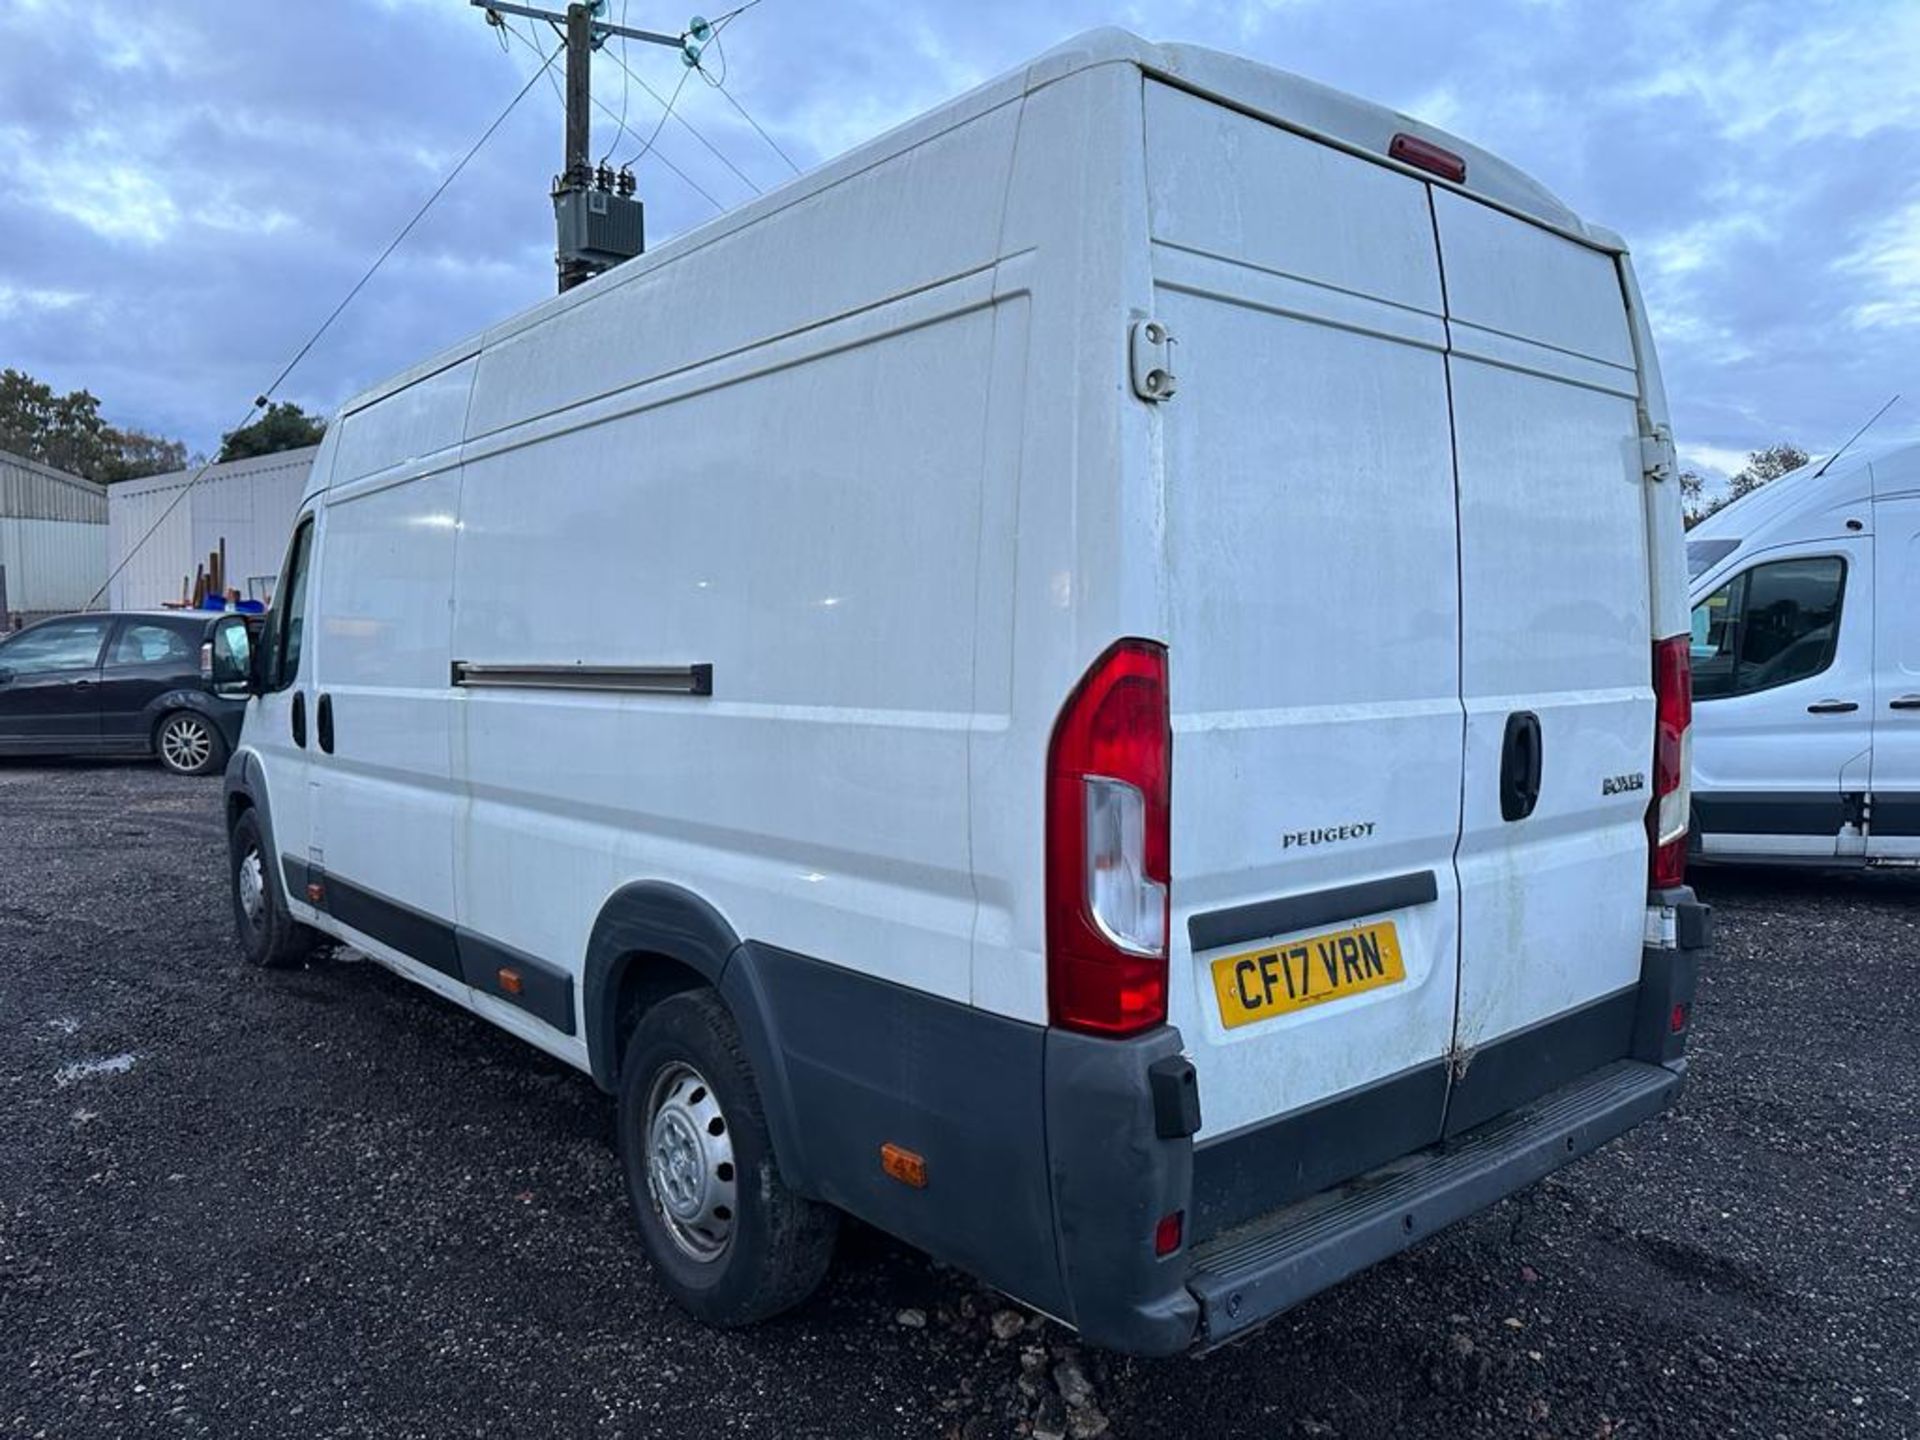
(323, 722)
(1832, 707)
(1905, 702)
(1520, 766)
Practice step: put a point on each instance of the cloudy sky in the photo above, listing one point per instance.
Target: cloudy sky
(188, 187)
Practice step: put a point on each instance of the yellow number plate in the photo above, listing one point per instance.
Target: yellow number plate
(1260, 984)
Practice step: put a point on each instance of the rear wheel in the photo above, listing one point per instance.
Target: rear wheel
(189, 744)
(269, 936)
(727, 1237)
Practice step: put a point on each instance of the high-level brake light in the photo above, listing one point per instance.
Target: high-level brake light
(1667, 813)
(1108, 773)
(1412, 150)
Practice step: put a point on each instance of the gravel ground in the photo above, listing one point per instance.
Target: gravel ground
(325, 1203)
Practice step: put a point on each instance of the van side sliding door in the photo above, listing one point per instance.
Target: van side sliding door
(1783, 695)
(380, 743)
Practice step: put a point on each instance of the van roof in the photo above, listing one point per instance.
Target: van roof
(1288, 100)
(1891, 468)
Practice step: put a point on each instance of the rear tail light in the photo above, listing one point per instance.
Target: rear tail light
(1108, 773)
(1412, 150)
(206, 660)
(1672, 762)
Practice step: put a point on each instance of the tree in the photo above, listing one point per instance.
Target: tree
(285, 426)
(1762, 467)
(69, 433)
(1693, 502)
(136, 453)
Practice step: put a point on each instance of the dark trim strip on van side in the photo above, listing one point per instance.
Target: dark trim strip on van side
(1214, 928)
(625, 679)
(1771, 812)
(1896, 815)
(545, 990)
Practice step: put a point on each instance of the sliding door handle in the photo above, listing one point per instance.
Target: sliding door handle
(1905, 702)
(1832, 707)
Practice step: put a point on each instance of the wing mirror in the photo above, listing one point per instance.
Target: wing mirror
(256, 682)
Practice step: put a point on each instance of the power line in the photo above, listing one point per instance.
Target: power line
(755, 123)
(658, 99)
(734, 13)
(264, 400)
(625, 89)
(607, 110)
(662, 122)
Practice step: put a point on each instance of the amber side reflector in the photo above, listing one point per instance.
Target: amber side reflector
(903, 1165)
(316, 893)
(509, 981)
(1412, 150)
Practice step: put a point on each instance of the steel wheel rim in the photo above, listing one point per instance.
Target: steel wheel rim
(185, 743)
(692, 1181)
(252, 881)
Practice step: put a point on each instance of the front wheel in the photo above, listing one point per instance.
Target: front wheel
(270, 937)
(727, 1237)
(190, 744)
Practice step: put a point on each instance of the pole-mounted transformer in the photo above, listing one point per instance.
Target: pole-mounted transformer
(598, 221)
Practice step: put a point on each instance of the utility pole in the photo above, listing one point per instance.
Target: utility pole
(576, 177)
(597, 221)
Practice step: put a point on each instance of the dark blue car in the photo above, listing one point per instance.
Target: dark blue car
(166, 683)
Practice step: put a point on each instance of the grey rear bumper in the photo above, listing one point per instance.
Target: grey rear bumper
(1252, 1273)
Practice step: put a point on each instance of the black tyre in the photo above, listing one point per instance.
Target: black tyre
(727, 1237)
(189, 744)
(269, 936)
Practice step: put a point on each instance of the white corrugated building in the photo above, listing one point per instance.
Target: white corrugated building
(53, 539)
(250, 504)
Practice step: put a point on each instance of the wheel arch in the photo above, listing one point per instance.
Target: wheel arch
(653, 939)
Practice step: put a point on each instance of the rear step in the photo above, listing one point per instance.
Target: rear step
(1253, 1273)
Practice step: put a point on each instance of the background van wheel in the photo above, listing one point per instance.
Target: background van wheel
(189, 744)
(726, 1236)
(269, 936)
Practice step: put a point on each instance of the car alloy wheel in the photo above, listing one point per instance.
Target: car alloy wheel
(186, 744)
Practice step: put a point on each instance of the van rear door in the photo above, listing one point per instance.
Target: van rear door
(1555, 649)
(1313, 650)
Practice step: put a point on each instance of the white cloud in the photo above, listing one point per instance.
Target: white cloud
(16, 300)
(1712, 459)
(1887, 264)
(1848, 72)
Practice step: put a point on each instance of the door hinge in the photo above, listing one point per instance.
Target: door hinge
(1656, 454)
(1153, 375)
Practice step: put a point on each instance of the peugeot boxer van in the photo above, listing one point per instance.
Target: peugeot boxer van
(1806, 658)
(1100, 683)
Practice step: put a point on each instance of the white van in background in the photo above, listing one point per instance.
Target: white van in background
(1806, 666)
(1100, 683)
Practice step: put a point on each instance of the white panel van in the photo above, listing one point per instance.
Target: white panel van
(1100, 683)
(1806, 661)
